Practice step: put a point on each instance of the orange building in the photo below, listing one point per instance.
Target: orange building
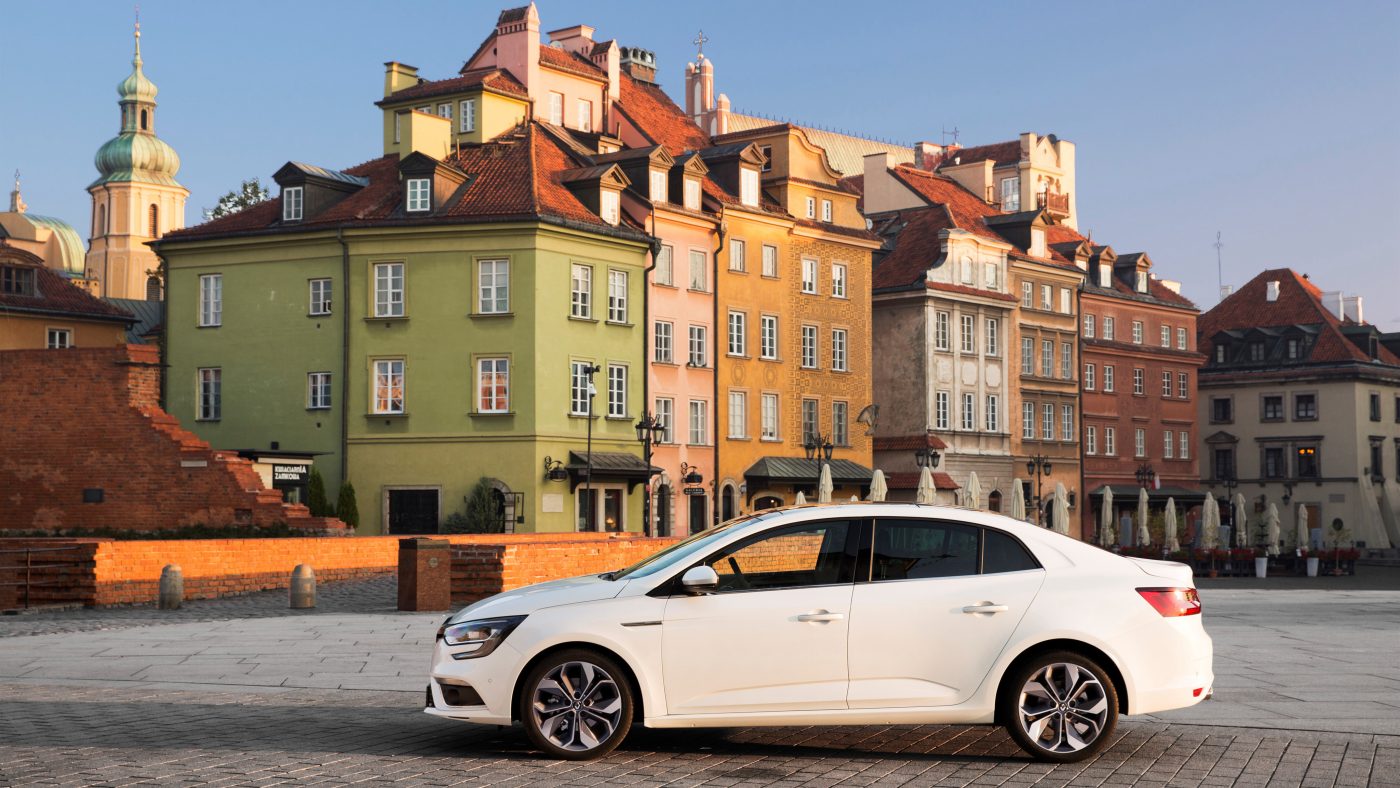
(39, 308)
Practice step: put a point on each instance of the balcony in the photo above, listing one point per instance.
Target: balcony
(1054, 203)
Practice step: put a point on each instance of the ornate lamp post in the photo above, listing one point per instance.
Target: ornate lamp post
(590, 370)
(1038, 465)
(1145, 475)
(649, 430)
(819, 448)
(1230, 483)
(927, 458)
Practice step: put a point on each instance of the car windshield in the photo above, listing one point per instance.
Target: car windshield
(681, 551)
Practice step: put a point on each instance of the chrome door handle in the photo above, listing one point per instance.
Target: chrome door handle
(821, 617)
(986, 607)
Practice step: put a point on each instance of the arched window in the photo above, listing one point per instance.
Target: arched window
(101, 228)
(155, 221)
(145, 120)
(153, 288)
(729, 503)
(994, 501)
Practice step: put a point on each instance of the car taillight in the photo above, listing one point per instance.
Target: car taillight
(1172, 602)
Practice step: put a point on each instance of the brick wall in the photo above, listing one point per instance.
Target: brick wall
(87, 418)
(486, 567)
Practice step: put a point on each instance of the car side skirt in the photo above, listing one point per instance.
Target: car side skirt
(963, 714)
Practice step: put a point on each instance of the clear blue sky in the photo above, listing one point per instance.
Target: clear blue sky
(1274, 123)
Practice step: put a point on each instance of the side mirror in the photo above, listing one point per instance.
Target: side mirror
(699, 580)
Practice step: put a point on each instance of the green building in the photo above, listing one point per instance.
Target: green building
(421, 321)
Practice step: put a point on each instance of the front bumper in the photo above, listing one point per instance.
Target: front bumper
(474, 690)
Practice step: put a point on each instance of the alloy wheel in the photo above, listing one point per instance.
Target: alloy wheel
(577, 706)
(1063, 708)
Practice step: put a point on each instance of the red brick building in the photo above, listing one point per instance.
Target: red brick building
(1138, 363)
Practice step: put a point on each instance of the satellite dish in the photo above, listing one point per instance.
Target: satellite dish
(867, 417)
(869, 224)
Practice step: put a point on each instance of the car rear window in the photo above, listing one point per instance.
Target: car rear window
(1001, 553)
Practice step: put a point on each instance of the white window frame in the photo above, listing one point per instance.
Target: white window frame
(1108, 378)
(1181, 338)
(581, 291)
(1011, 194)
(941, 328)
(1067, 360)
(1047, 358)
(389, 287)
(992, 335)
(1066, 422)
(490, 371)
(738, 250)
(1184, 438)
(1166, 334)
(826, 211)
(1027, 295)
(386, 372)
(810, 268)
(666, 416)
(967, 333)
(617, 296)
(1091, 440)
(579, 395)
(556, 108)
(1028, 421)
(583, 114)
(1168, 445)
(319, 291)
(663, 342)
(665, 271)
(738, 415)
(737, 333)
(1088, 326)
(1139, 381)
(1139, 442)
(748, 187)
(768, 337)
(1046, 293)
(691, 194)
(699, 434)
(699, 350)
(1107, 327)
(768, 417)
(840, 423)
(838, 280)
(1166, 384)
(293, 204)
(617, 391)
(419, 191)
(1066, 305)
(770, 261)
(809, 347)
(699, 271)
(211, 300)
(1089, 378)
(1110, 444)
(838, 350)
(657, 186)
(1183, 385)
(969, 411)
(811, 419)
(493, 286)
(993, 414)
(1047, 421)
(1027, 355)
(1137, 332)
(609, 206)
(58, 338)
(940, 410)
(444, 110)
(466, 119)
(318, 391)
(209, 394)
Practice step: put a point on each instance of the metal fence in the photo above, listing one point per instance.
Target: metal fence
(26, 572)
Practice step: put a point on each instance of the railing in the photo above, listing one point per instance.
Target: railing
(1055, 202)
(24, 571)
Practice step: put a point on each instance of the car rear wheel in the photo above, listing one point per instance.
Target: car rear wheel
(576, 705)
(1060, 707)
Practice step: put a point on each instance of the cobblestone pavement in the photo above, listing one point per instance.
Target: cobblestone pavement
(55, 734)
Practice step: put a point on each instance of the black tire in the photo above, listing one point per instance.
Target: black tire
(576, 704)
(1040, 695)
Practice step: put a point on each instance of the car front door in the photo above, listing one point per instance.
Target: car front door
(772, 636)
(941, 602)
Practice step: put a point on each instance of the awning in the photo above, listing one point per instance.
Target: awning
(1126, 495)
(608, 466)
(800, 471)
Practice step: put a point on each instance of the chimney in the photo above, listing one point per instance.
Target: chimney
(1170, 284)
(1351, 308)
(927, 155)
(398, 76)
(1226, 291)
(578, 38)
(1271, 290)
(640, 64)
(721, 124)
(518, 45)
(1332, 299)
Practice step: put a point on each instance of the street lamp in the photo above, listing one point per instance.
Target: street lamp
(649, 430)
(590, 370)
(927, 458)
(1145, 475)
(818, 447)
(1230, 483)
(690, 474)
(1038, 465)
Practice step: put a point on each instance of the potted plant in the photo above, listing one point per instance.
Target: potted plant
(1311, 559)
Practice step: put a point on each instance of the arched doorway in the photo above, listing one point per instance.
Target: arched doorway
(663, 510)
(767, 502)
(994, 501)
(729, 503)
(698, 519)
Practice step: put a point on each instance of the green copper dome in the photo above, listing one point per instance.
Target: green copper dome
(137, 154)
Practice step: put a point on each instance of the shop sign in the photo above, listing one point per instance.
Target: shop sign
(291, 474)
(693, 490)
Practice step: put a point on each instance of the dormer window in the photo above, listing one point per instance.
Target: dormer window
(748, 187)
(608, 206)
(419, 198)
(17, 281)
(692, 194)
(1105, 276)
(1141, 282)
(658, 186)
(585, 115)
(1011, 194)
(291, 204)
(826, 211)
(467, 118)
(767, 151)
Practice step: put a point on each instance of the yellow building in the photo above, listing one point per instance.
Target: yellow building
(40, 308)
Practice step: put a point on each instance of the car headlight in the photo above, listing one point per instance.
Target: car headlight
(471, 639)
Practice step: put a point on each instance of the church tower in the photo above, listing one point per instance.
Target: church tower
(136, 198)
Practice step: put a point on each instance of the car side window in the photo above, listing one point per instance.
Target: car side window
(915, 549)
(808, 554)
(1002, 553)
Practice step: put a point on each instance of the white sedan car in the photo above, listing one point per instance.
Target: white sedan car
(842, 614)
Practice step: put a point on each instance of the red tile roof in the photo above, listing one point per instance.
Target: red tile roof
(1058, 234)
(917, 246)
(491, 78)
(56, 295)
(1299, 303)
(560, 59)
(909, 480)
(999, 152)
(658, 117)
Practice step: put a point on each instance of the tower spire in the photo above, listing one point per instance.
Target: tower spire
(136, 59)
(16, 202)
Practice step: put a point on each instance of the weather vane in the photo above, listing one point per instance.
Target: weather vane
(699, 43)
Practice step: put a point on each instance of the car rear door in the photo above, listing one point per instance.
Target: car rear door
(938, 607)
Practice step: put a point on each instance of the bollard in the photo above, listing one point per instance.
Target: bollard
(303, 587)
(172, 588)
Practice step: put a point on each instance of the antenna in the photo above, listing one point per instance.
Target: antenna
(954, 134)
(1219, 269)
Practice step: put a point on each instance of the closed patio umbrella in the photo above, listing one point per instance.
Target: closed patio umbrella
(1304, 537)
(800, 499)
(1241, 522)
(1172, 544)
(1210, 523)
(974, 491)
(925, 491)
(1271, 523)
(879, 488)
(1061, 509)
(1018, 500)
(1107, 536)
(824, 486)
(1144, 536)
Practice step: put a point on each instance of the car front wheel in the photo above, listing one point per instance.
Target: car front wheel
(1060, 707)
(576, 705)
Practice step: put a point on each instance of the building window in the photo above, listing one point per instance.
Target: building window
(699, 422)
(211, 299)
(1011, 194)
(1141, 281)
(1047, 358)
(211, 393)
(809, 275)
(59, 338)
(969, 411)
(840, 431)
(1273, 463)
(608, 206)
(768, 337)
(388, 386)
(767, 151)
(810, 421)
(1089, 377)
(666, 416)
(1089, 326)
(838, 349)
(1139, 442)
(1108, 328)
(318, 391)
(1222, 410)
(153, 221)
(1047, 422)
(770, 261)
(968, 335)
(1028, 420)
(1066, 360)
(1307, 462)
(692, 194)
(811, 207)
(826, 210)
(940, 331)
(1304, 407)
(940, 410)
(699, 271)
(617, 391)
(292, 204)
(556, 108)
(1066, 422)
(809, 347)
(1138, 375)
(993, 343)
(1168, 445)
(993, 414)
(1065, 305)
(1166, 383)
(665, 266)
(581, 292)
(493, 385)
(1181, 339)
(1292, 349)
(1027, 295)
(657, 190)
(617, 296)
(418, 197)
(662, 343)
(738, 414)
(1375, 407)
(580, 388)
(1220, 354)
(583, 110)
(699, 350)
(1185, 441)
(768, 425)
(1137, 332)
(320, 297)
(738, 331)
(493, 287)
(838, 280)
(736, 255)
(1091, 440)
(1272, 408)
(388, 290)
(1166, 336)
(1256, 351)
(1027, 356)
(467, 120)
(445, 111)
(1183, 385)
(1046, 291)
(748, 187)
(1108, 378)
(1110, 446)
(1223, 464)
(989, 271)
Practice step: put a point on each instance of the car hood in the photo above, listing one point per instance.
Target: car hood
(523, 601)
